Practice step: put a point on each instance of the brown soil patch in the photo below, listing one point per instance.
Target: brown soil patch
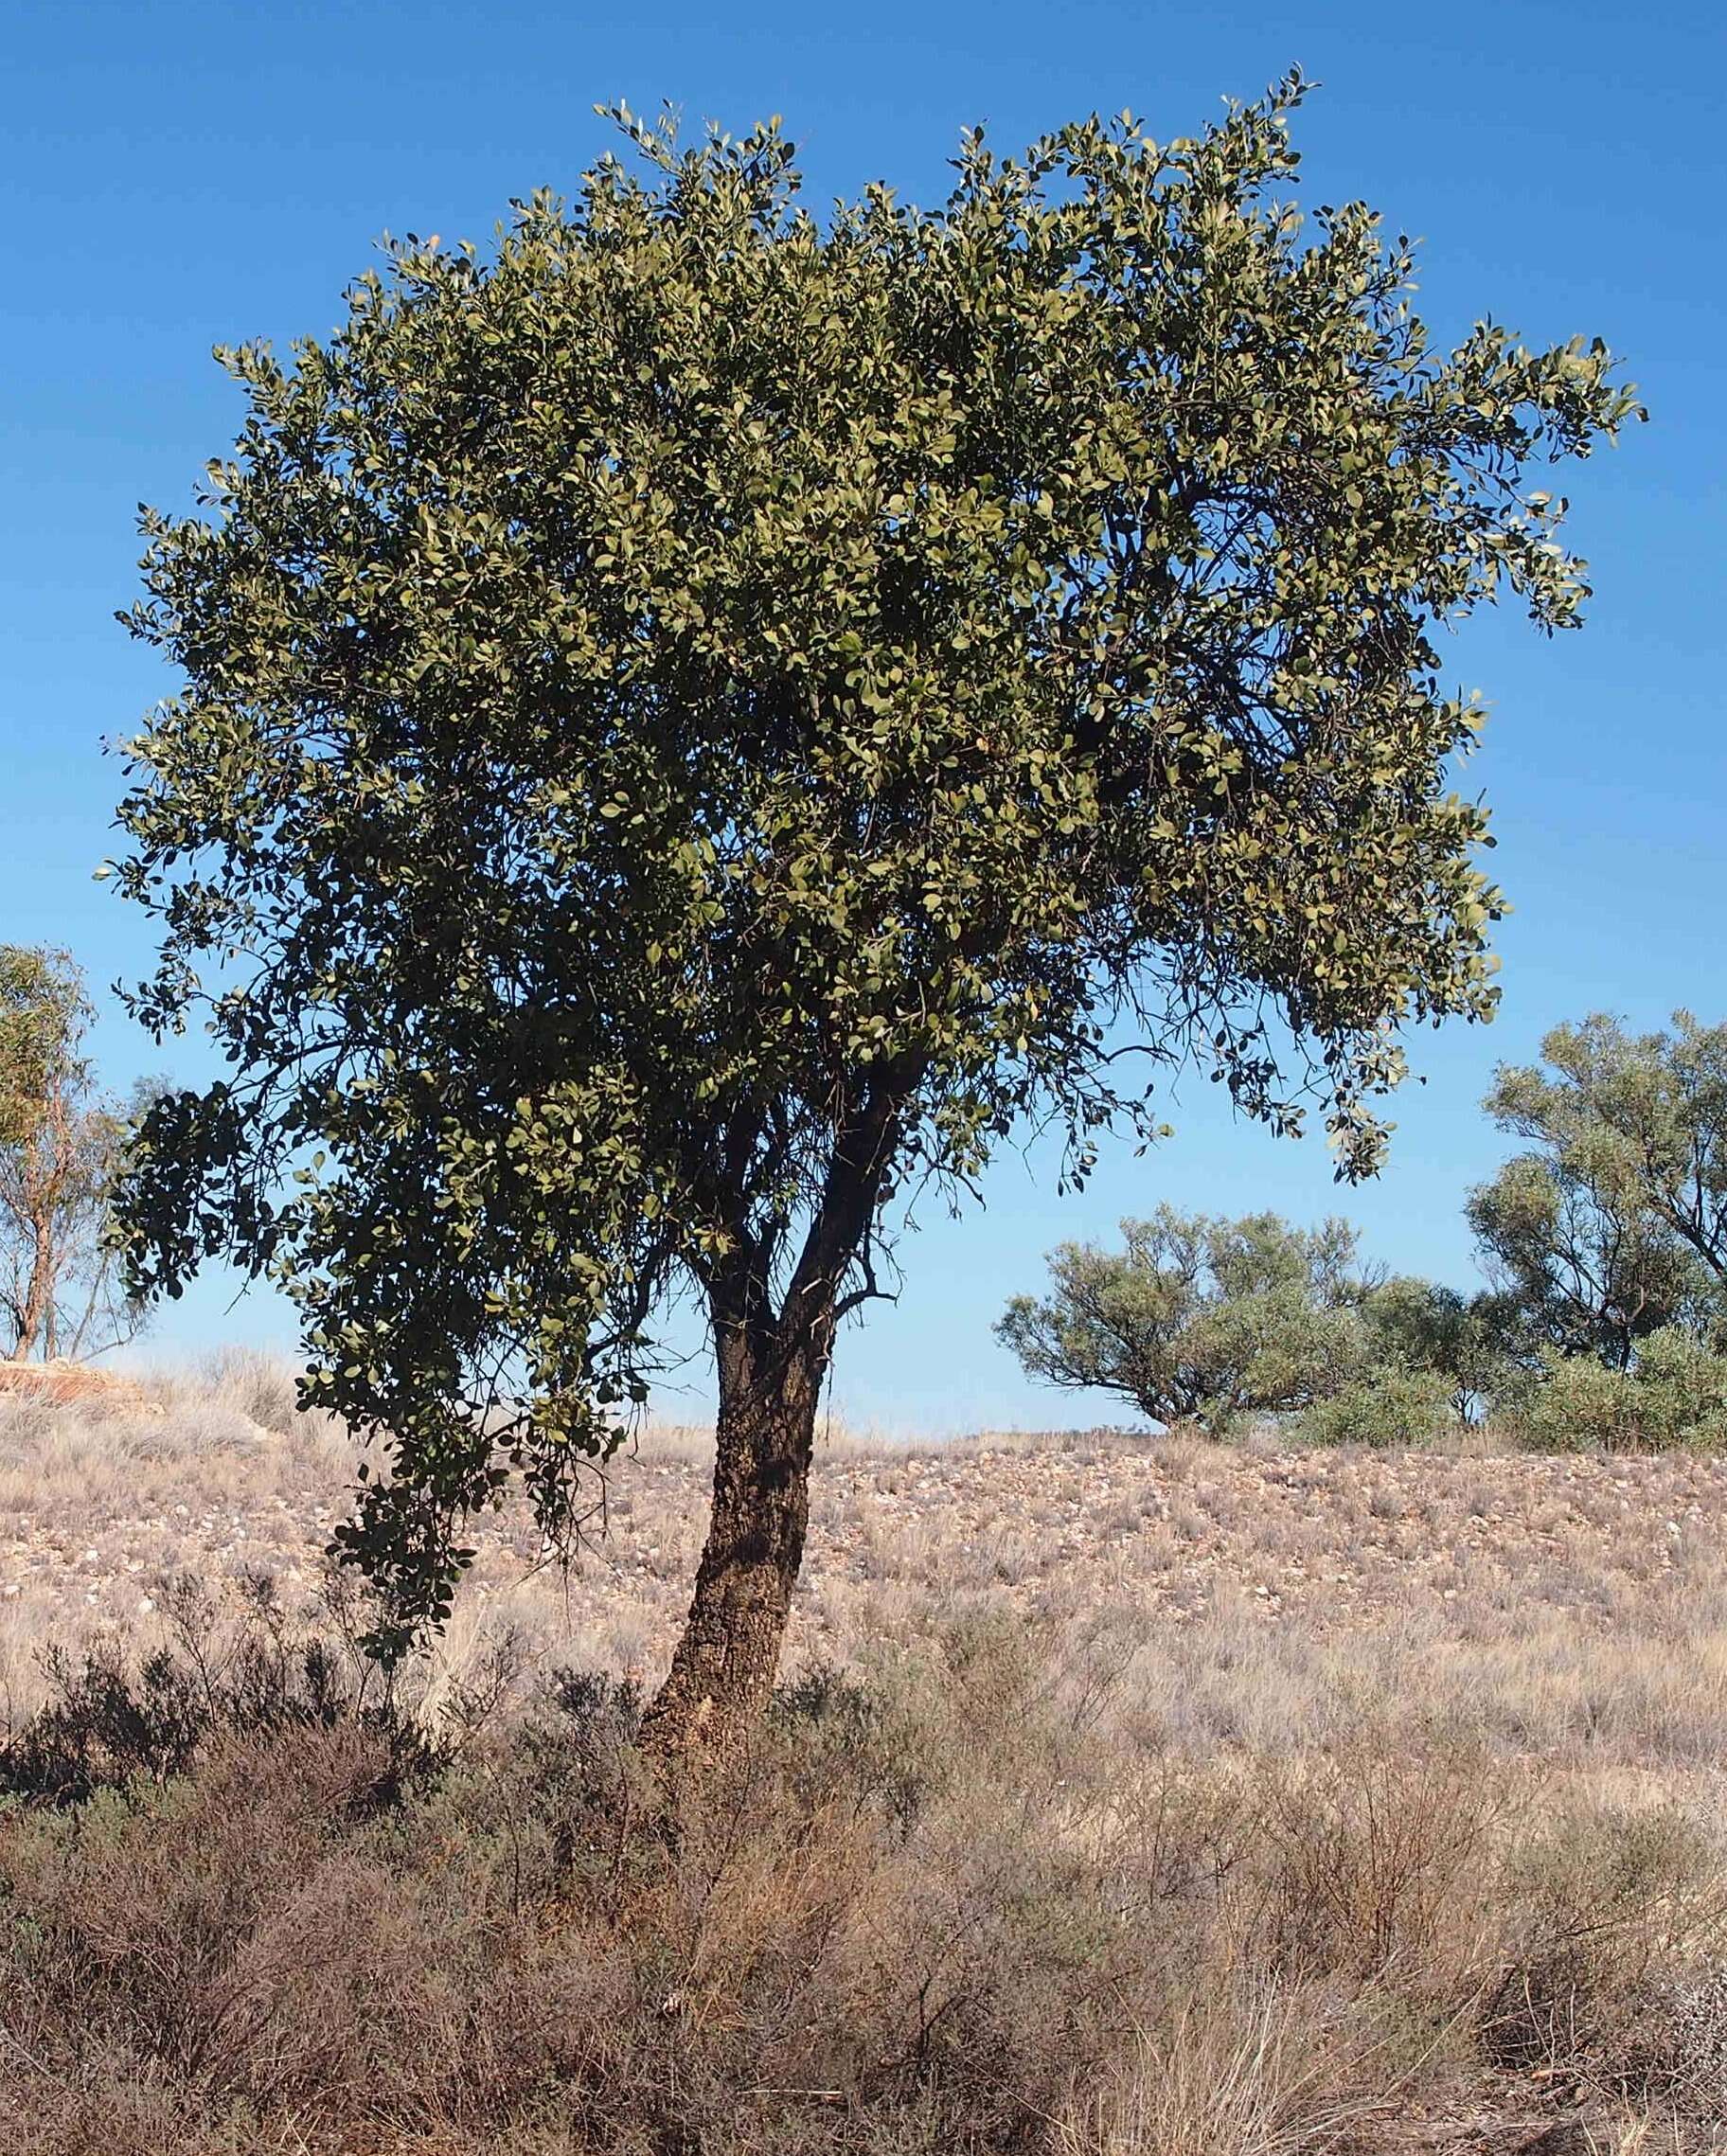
(69, 1384)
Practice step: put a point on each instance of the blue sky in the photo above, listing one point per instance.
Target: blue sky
(179, 174)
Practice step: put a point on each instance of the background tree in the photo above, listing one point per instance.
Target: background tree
(39, 999)
(695, 726)
(1581, 1265)
(1470, 1343)
(59, 1150)
(1200, 1320)
(1640, 1122)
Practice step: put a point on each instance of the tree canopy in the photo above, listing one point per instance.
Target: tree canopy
(1200, 1320)
(42, 1009)
(697, 723)
(1613, 1223)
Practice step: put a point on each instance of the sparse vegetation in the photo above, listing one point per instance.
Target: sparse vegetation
(1120, 1799)
(973, 1891)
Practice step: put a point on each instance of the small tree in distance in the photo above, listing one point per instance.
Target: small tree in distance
(1579, 1261)
(692, 729)
(59, 1151)
(1470, 1343)
(1200, 1321)
(1614, 1225)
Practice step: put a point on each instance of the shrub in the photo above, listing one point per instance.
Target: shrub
(1681, 1387)
(1673, 1395)
(1386, 1407)
(1197, 1319)
(106, 1726)
(947, 1903)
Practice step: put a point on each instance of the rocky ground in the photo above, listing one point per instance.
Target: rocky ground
(1549, 1593)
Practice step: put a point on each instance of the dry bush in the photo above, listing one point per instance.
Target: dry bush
(950, 1903)
(1119, 1798)
(1267, 2073)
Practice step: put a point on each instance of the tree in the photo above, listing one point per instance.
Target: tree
(1470, 1341)
(696, 726)
(1639, 1122)
(39, 1000)
(1200, 1320)
(60, 1147)
(1581, 1265)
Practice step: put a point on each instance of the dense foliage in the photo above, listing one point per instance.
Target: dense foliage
(695, 726)
(1672, 1395)
(1475, 1344)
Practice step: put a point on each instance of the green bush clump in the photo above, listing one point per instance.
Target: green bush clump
(1673, 1397)
(1386, 1407)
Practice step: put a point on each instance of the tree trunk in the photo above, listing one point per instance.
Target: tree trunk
(37, 1306)
(723, 1673)
(771, 1367)
(30, 1204)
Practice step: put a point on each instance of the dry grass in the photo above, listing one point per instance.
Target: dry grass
(1127, 1801)
(1570, 1610)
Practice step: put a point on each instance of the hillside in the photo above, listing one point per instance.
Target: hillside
(1544, 1592)
(1179, 1801)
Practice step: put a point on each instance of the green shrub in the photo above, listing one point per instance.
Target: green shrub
(1199, 1319)
(1673, 1397)
(1388, 1407)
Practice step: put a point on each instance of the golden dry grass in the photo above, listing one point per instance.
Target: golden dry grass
(1571, 1610)
(1265, 1801)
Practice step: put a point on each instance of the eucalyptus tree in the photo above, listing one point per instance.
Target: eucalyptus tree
(1634, 1125)
(42, 1009)
(60, 1143)
(697, 721)
(1577, 1268)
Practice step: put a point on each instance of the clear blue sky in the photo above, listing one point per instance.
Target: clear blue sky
(179, 174)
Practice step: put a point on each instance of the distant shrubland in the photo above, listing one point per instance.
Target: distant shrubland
(1603, 1243)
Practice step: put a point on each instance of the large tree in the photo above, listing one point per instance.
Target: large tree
(697, 723)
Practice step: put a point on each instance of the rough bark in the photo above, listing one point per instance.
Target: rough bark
(722, 1672)
(771, 1366)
